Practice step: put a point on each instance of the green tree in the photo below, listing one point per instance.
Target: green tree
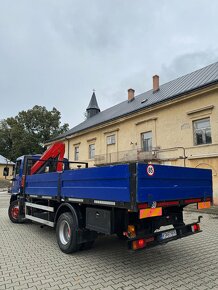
(29, 130)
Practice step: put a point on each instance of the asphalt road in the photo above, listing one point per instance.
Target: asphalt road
(31, 259)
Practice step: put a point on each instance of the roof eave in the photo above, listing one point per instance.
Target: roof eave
(140, 109)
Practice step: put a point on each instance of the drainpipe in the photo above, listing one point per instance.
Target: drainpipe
(68, 148)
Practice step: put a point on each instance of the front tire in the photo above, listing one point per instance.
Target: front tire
(13, 212)
(66, 233)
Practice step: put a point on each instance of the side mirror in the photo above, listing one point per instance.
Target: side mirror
(13, 179)
(6, 171)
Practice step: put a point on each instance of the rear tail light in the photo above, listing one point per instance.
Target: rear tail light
(195, 228)
(141, 243)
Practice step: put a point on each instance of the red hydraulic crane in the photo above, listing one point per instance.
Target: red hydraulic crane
(57, 150)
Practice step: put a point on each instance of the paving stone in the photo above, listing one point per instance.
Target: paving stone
(31, 259)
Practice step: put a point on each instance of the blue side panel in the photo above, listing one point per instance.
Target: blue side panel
(42, 184)
(172, 183)
(104, 183)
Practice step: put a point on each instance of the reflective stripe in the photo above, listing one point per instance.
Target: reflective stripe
(150, 212)
(75, 199)
(104, 202)
(205, 204)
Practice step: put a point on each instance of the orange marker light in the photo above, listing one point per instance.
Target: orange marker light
(131, 231)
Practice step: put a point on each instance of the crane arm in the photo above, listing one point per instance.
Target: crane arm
(57, 150)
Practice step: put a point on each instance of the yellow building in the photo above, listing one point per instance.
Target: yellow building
(175, 124)
(6, 166)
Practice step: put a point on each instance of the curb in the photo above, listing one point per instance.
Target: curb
(212, 210)
(4, 189)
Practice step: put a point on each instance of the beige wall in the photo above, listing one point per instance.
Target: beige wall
(10, 171)
(172, 126)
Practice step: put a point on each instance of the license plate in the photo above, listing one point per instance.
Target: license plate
(168, 235)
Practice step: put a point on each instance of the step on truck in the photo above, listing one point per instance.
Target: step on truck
(141, 203)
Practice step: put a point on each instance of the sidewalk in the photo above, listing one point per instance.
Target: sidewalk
(5, 189)
(193, 207)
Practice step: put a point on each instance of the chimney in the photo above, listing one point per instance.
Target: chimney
(155, 83)
(131, 96)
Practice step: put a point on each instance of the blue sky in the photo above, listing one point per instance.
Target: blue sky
(54, 53)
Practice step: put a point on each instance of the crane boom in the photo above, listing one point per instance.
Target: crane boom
(57, 150)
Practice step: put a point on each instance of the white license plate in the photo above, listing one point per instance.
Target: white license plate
(168, 235)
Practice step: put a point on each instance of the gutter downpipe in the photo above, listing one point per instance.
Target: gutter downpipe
(184, 157)
(68, 148)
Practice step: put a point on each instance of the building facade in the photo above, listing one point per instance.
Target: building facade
(172, 124)
(7, 166)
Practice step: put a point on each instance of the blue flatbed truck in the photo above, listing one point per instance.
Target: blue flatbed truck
(132, 200)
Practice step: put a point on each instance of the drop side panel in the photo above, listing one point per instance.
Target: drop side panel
(111, 183)
(172, 183)
(42, 184)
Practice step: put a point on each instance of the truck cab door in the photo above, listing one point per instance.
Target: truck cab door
(16, 181)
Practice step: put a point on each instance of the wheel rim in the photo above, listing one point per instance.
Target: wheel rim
(64, 232)
(15, 212)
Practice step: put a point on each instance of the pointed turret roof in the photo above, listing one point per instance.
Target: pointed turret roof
(175, 89)
(93, 103)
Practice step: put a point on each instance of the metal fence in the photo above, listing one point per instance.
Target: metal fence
(125, 156)
(156, 155)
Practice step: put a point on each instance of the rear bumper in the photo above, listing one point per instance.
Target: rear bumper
(163, 237)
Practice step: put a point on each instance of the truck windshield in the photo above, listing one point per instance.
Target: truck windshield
(30, 163)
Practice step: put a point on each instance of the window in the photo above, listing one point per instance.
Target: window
(111, 139)
(76, 153)
(202, 131)
(146, 141)
(91, 151)
(17, 168)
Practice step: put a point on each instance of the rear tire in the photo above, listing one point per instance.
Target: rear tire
(13, 213)
(66, 233)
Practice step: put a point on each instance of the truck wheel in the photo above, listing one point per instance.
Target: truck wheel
(66, 233)
(13, 213)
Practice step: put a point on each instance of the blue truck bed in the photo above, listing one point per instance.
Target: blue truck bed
(125, 184)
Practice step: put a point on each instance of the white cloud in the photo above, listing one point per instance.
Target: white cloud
(54, 53)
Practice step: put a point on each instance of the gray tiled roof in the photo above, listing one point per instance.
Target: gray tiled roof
(173, 89)
(5, 161)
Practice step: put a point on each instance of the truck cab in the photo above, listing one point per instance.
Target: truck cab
(21, 169)
(24, 165)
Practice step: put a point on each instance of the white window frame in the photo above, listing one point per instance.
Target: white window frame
(204, 130)
(76, 153)
(111, 139)
(149, 138)
(91, 151)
